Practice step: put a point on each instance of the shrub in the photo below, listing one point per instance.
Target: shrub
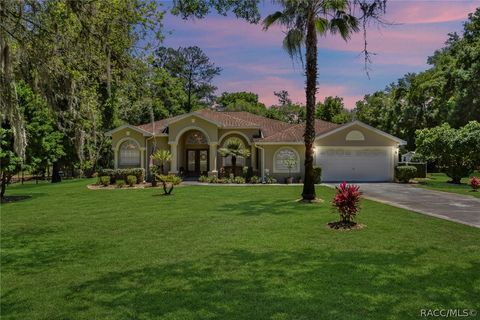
(239, 180)
(115, 174)
(131, 180)
(105, 180)
(203, 179)
(212, 179)
(271, 180)
(347, 201)
(169, 182)
(255, 179)
(475, 183)
(120, 183)
(421, 168)
(317, 173)
(405, 173)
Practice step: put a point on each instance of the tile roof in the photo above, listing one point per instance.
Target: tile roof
(272, 130)
(295, 132)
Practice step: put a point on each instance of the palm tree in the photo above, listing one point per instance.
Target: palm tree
(304, 20)
(234, 147)
(163, 157)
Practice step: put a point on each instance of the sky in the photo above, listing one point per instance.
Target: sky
(254, 60)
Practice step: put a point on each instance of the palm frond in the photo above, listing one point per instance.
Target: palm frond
(271, 19)
(293, 41)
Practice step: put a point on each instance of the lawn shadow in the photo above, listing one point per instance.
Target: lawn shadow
(259, 207)
(40, 248)
(241, 284)
(9, 199)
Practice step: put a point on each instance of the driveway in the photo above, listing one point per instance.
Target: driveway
(444, 205)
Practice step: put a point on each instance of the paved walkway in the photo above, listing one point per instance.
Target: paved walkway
(444, 205)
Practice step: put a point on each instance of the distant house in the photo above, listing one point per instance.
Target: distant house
(350, 152)
(407, 157)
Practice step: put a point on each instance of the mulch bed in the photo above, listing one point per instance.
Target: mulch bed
(345, 226)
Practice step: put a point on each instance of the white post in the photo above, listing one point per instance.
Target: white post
(213, 158)
(173, 162)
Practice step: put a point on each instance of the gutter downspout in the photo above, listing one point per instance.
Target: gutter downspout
(262, 165)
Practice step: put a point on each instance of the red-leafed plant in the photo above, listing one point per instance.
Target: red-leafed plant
(475, 183)
(347, 201)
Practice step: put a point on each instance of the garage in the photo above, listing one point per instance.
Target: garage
(356, 164)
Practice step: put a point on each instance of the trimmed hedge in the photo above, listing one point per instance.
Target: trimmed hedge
(405, 173)
(122, 174)
(421, 168)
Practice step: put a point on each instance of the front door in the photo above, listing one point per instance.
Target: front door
(197, 162)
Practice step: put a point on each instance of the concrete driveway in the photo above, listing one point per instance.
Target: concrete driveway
(444, 205)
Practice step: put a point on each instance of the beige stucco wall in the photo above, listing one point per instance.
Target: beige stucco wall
(371, 139)
(135, 135)
(270, 151)
(192, 122)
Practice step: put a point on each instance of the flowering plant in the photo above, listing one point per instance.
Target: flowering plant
(475, 183)
(347, 201)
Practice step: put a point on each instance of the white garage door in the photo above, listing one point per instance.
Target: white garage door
(355, 164)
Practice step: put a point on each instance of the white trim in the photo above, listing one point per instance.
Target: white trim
(179, 134)
(195, 114)
(129, 126)
(294, 170)
(364, 125)
(234, 132)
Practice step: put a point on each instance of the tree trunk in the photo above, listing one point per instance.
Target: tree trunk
(234, 165)
(308, 193)
(56, 172)
(4, 185)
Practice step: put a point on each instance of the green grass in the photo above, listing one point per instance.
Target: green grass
(438, 181)
(225, 253)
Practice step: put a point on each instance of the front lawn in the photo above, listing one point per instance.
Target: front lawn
(216, 252)
(438, 181)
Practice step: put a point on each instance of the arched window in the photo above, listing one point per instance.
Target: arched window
(227, 161)
(355, 135)
(196, 137)
(129, 154)
(286, 160)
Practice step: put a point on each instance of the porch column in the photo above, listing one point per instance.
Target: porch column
(213, 158)
(173, 162)
(115, 156)
(142, 157)
(253, 157)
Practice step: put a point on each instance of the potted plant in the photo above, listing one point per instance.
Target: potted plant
(290, 163)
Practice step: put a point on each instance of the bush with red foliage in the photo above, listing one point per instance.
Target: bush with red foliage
(475, 183)
(347, 201)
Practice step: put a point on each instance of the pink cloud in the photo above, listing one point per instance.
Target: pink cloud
(266, 86)
(429, 11)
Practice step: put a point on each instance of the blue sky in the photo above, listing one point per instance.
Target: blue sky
(253, 59)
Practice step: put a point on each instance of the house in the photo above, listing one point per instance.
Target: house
(350, 152)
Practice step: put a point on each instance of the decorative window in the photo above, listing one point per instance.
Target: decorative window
(129, 154)
(355, 135)
(196, 137)
(284, 158)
